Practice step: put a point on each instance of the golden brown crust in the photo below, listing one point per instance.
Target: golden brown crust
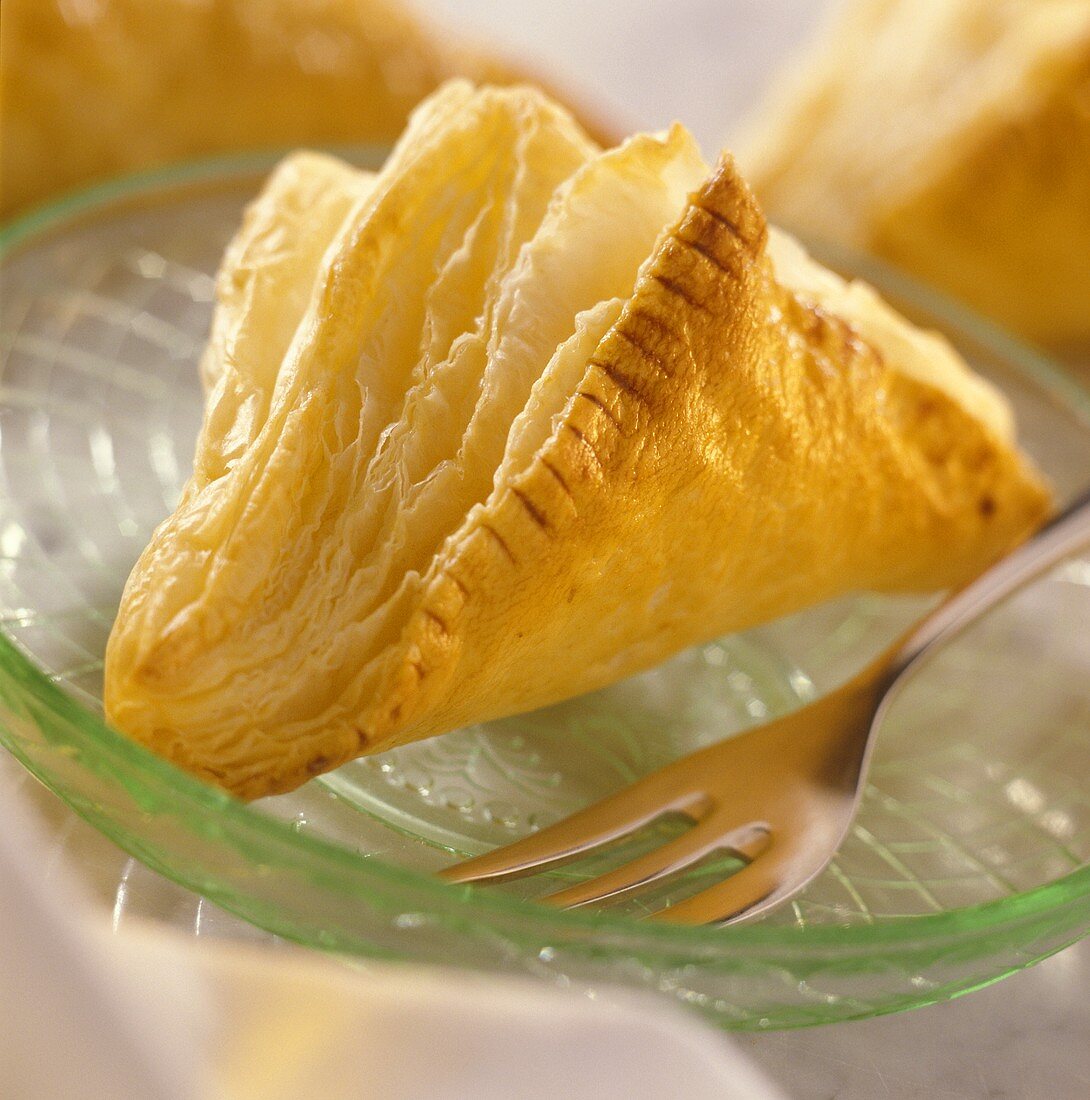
(863, 474)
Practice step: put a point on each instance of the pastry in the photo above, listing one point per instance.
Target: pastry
(514, 418)
(953, 138)
(93, 88)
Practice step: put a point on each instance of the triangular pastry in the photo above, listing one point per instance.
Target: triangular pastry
(515, 418)
(952, 137)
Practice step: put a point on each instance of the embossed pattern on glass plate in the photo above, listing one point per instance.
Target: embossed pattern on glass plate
(962, 865)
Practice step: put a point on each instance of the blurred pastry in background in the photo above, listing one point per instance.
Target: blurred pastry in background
(93, 88)
(951, 137)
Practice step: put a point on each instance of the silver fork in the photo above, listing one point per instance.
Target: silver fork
(781, 796)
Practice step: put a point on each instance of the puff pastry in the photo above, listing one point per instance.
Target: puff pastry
(515, 418)
(92, 88)
(952, 137)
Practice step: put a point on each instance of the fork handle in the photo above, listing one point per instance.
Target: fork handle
(1059, 538)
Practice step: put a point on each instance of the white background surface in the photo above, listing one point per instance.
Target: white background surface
(702, 61)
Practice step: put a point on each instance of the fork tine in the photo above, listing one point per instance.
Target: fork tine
(752, 890)
(758, 882)
(610, 819)
(710, 835)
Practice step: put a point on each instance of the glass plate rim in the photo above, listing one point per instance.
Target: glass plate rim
(353, 873)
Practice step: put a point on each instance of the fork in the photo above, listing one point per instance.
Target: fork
(781, 796)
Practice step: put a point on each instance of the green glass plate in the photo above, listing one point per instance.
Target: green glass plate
(967, 862)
